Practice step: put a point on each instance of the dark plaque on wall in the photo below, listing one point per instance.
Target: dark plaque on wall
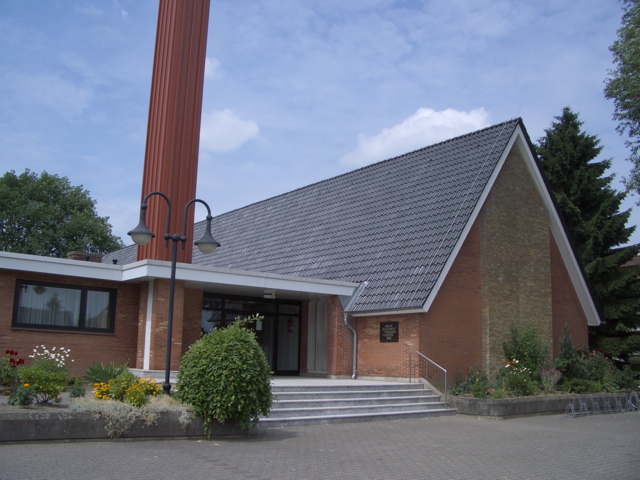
(388, 332)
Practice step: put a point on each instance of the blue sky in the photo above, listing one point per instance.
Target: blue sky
(295, 91)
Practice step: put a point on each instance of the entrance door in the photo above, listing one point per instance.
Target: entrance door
(317, 337)
(288, 343)
(278, 333)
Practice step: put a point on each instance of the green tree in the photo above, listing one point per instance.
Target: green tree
(623, 85)
(45, 215)
(591, 207)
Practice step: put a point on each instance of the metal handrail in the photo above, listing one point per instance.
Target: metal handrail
(446, 391)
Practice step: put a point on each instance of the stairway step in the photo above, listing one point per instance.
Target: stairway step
(332, 388)
(340, 402)
(353, 410)
(368, 417)
(355, 393)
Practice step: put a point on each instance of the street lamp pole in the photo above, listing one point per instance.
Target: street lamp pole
(141, 235)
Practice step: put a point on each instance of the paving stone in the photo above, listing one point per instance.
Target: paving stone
(460, 447)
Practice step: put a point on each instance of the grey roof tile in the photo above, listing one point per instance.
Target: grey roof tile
(393, 224)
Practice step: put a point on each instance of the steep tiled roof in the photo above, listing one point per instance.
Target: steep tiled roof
(393, 224)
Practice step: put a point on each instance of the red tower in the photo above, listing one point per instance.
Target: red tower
(173, 132)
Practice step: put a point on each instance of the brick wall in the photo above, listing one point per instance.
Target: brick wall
(86, 348)
(566, 306)
(142, 325)
(387, 359)
(187, 312)
(453, 327)
(515, 260)
(340, 341)
(192, 325)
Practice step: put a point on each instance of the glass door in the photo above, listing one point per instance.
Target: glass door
(288, 345)
(278, 333)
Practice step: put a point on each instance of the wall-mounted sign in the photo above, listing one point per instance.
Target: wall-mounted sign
(389, 332)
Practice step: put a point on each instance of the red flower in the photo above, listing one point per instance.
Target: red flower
(7, 352)
(11, 360)
(21, 361)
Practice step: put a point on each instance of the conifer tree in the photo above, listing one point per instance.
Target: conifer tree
(591, 209)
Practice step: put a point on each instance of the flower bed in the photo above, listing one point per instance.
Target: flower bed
(38, 424)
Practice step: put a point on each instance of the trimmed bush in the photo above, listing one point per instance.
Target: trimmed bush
(225, 376)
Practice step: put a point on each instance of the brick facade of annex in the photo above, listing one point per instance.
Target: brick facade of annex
(86, 347)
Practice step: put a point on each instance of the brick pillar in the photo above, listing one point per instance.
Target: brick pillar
(159, 326)
(340, 341)
(173, 132)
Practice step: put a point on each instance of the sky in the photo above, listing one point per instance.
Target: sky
(295, 91)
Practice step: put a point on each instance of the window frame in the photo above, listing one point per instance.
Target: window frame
(84, 292)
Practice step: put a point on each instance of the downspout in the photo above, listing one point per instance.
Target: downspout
(345, 317)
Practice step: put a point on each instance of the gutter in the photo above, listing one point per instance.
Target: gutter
(345, 319)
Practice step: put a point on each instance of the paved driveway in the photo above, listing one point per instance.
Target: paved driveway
(460, 447)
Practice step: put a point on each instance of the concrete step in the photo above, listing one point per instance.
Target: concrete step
(352, 409)
(349, 401)
(368, 417)
(340, 403)
(347, 387)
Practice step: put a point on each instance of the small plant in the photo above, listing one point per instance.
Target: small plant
(139, 393)
(127, 388)
(475, 383)
(570, 361)
(135, 396)
(23, 396)
(77, 390)
(526, 345)
(549, 379)
(8, 368)
(101, 373)
(225, 376)
(57, 355)
(119, 417)
(518, 380)
(47, 377)
(499, 394)
(118, 386)
(579, 385)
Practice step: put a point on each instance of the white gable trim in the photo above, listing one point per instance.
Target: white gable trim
(518, 140)
(465, 232)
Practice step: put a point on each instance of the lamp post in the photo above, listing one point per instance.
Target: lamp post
(141, 235)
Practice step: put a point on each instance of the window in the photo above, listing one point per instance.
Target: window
(65, 307)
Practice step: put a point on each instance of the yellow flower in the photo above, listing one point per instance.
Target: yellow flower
(26, 385)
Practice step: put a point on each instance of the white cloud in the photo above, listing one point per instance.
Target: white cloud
(118, 7)
(50, 90)
(224, 131)
(211, 67)
(425, 127)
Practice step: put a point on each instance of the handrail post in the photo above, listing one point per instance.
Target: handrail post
(446, 387)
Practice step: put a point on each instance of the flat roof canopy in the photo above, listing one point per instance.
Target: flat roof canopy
(210, 279)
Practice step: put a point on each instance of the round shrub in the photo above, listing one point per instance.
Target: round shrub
(225, 376)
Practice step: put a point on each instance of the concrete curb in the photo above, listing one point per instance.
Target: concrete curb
(511, 407)
(27, 425)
